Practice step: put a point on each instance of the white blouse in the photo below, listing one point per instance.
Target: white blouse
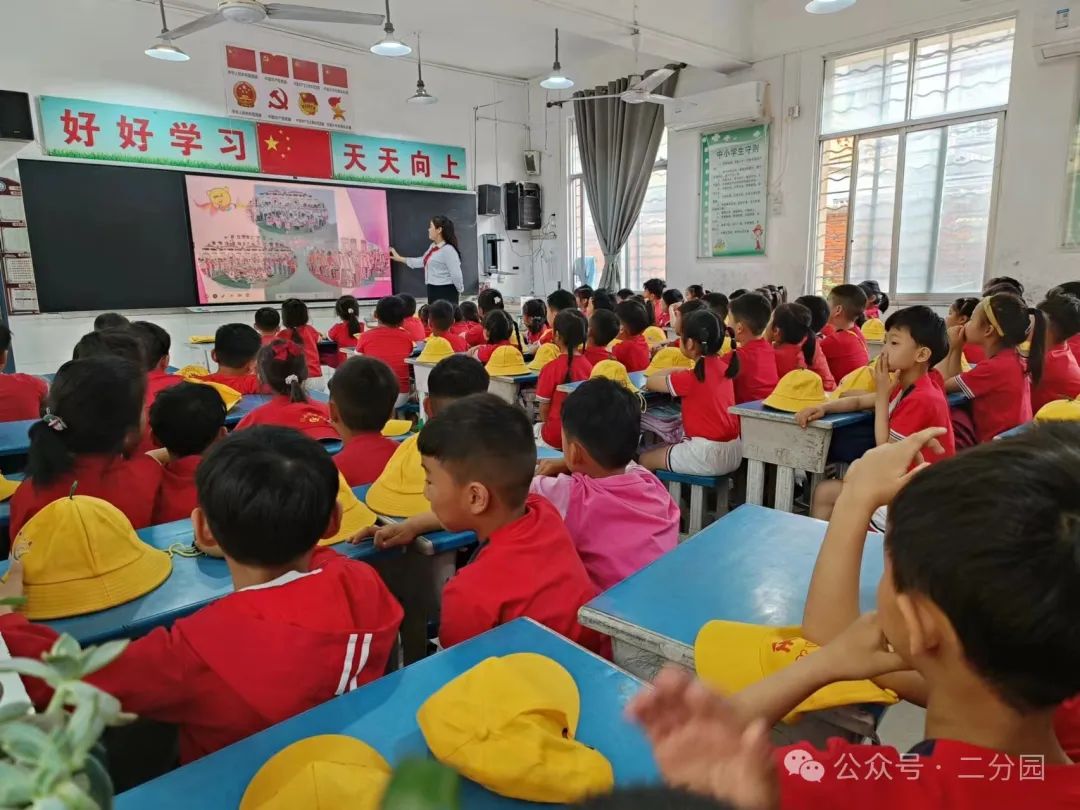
(443, 267)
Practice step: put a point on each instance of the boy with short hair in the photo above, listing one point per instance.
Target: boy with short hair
(235, 348)
(303, 625)
(441, 321)
(411, 324)
(110, 320)
(976, 607)
(845, 348)
(603, 328)
(120, 342)
(156, 344)
(479, 455)
(185, 419)
(632, 350)
(267, 324)
(22, 396)
(757, 375)
(557, 301)
(915, 342)
(390, 342)
(597, 484)
(362, 395)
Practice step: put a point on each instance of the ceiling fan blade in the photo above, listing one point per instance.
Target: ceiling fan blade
(593, 98)
(652, 98)
(193, 26)
(283, 11)
(654, 80)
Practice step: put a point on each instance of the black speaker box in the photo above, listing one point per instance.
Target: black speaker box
(488, 200)
(16, 123)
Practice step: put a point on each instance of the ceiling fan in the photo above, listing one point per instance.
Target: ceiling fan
(641, 90)
(252, 11)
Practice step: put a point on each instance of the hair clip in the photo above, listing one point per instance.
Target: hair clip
(292, 378)
(54, 421)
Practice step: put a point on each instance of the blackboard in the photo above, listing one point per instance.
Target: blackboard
(410, 212)
(116, 237)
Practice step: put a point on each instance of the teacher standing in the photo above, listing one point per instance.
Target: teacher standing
(441, 263)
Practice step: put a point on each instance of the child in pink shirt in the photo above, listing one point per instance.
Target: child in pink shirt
(598, 484)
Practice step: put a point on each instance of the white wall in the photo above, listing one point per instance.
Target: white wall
(93, 49)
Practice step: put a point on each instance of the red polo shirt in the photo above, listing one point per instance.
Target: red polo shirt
(705, 404)
(157, 381)
(393, 346)
(310, 418)
(364, 457)
(633, 352)
(240, 383)
(923, 406)
(21, 397)
(268, 339)
(597, 354)
(527, 568)
(414, 327)
(339, 333)
(309, 336)
(846, 351)
(757, 371)
(828, 329)
(131, 485)
(1060, 377)
(999, 392)
(457, 341)
(177, 498)
(474, 333)
(936, 775)
(1073, 344)
(546, 336)
(488, 349)
(551, 377)
(974, 353)
(789, 357)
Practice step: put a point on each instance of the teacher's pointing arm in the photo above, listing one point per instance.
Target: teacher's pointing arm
(415, 263)
(453, 266)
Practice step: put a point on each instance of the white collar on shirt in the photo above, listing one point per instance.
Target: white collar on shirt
(284, 579)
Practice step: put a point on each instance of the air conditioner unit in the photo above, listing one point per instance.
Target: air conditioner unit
(728, 106)
(1057, 30)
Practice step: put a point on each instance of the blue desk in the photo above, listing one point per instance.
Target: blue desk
(1019, 430)
(383, 714)
(638, 378)
(14, 437)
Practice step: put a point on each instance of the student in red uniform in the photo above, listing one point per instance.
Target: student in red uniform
(186, 419)
(267, 324)
(110, 320)
(303, 625)
(845, 347)
(960, 312)
(22, 396)
(156, 344)
(534, 316)
(94, 412)
(653, 293)
(915, 342)
(412, 325)
(757, 375)
(473, 329)
(389, 342)
(712, 445)
(601, 299)
(603, 328)
(975, 620)
(670, 300)
(294, 319)
(499, 330)
(819, 312)
(582, 296)
(632, 350)
(570, 366)
(1070, 288)
(441, 323)
(795, 343)
(479, 455)
(120, 342)
(1060, 372)
(997, 387)
(236, 345)
(557, 302)
(363, 392)
(349, 326)
(282, 367)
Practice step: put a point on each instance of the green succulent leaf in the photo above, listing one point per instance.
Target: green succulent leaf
(31, 667)
(13, 711)
(16, 786)
(23, 742)
(98, 657)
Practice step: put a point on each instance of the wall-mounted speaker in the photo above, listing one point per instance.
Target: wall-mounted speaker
(16, 123)
(488, 200)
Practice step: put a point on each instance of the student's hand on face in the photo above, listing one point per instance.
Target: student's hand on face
(861, 651)
(883, 380)
(12, 586)
(882, 472)
(701, 745)
(808, 415)
(956, 337)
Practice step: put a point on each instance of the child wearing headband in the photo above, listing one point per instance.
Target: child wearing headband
(283, 369)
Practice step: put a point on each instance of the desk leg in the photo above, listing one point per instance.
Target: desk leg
(410, 578)
(785, 489)
(697, 509)
(755, 482)
(504, 390)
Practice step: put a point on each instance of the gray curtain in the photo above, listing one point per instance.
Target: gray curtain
(618, 143)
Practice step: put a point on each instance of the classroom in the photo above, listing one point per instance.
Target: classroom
(607, 404)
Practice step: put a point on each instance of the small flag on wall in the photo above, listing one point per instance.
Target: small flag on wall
(241, 58)
(335, 76)
(294, 151)
(274, 64)
(305, 71)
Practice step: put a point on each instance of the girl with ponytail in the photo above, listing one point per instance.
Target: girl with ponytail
(1060, 377)
(283, 369)
(345, 333)
(570, 366)
(94, 413)
(711, 445)
(998, 387)
(500, 330)
(294, 319)
(795, 344)
(534, 314)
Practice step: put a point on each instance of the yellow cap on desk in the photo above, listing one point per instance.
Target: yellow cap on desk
(399, 489)
(668, 357)
(655, 336)
(506, 361)
(1060, 410)
(874, 330)
(615, 371)
(355, 515)
(7, 488)
(796, 390)
(435, 349)
(544, 355)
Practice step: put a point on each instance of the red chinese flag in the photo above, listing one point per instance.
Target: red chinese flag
(240, 58)
(274, 64)
(294, 151)
(305, 71)
(335, 76)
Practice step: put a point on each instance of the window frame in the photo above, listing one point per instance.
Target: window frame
(903, 129)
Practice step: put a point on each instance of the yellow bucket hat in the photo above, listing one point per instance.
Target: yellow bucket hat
(230, 396)
(874, 329)
(328, 772)
(506, 361)
(435, 349)
(200, 339)
(396, 427)
(796, 390)
(731, 656)
(1059, 410)
(354, 514)
(509, 724)
(668, 357)
(7, 488)
(399, 490)
(614, 370)
(192, 371)
(544, 355)
(655, 336)
(81, 555)
(861, 379)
